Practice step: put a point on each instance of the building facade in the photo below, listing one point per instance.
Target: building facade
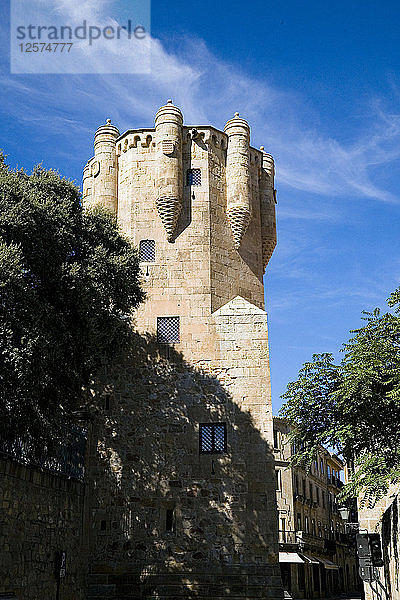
(317, 558)
(382, 516)
(189, 507)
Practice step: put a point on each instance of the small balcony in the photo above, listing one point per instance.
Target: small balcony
(288, 537)
(301, 540)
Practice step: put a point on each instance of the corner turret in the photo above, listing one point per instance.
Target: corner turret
(100, 173)
(168, 124)
(267, 206)
(238, 206)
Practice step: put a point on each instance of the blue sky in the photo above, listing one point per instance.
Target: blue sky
(319, 83)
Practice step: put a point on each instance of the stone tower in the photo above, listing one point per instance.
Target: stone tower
(199, 204)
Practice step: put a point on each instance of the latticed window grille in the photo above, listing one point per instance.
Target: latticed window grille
(147, 251)
(193, 177)
(168, 330)
(212, 438)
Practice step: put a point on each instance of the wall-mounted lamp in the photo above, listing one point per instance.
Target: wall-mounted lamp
(344, 512)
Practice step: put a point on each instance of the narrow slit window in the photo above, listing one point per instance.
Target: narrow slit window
(169, 519)
(298, 523)
(147, 251)
(168, 330)
(278, 474)
(212, 438)
(193, 177)
(276, 441)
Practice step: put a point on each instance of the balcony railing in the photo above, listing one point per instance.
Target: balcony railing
(302, 538)
(287, 537)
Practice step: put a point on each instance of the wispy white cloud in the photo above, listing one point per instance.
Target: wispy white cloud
(78, 11)
(310, 213)
(210, 90)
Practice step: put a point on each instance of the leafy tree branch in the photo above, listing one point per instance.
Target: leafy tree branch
(353, 407)
(68, 283)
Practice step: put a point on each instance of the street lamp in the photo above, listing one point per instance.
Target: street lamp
(344, 512)
(369, 549)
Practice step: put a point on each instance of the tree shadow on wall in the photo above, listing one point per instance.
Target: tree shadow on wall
(165, 519)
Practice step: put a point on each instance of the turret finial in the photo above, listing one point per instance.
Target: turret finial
(262, 148)
(236, 114)
(108, 121)
(169, 101)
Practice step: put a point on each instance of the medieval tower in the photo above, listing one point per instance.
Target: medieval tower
(190, 510)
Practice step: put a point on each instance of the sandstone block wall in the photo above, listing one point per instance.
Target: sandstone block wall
(40, 514)
(145, 461)
(206, 202)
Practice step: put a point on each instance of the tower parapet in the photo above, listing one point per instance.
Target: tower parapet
(238, 206)
(169, 122)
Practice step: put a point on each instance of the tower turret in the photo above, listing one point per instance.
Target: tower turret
(267, 205)
(100, 173)
(238, 177)
(168, 123)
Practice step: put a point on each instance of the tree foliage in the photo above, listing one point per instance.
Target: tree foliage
(68, 282)
(353, 407)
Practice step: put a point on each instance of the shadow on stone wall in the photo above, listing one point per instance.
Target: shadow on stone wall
(40, 515)
(144, 461)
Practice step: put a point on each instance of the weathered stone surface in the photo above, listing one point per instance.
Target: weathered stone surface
(223, 504)
(40, 515)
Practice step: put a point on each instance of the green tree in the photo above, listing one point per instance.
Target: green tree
(68, 283)
(353, 407)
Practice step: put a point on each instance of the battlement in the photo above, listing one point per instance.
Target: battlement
(239, 176)
(207, 133)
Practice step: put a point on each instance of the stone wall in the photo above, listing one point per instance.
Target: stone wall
(40, 514)
(383, 517)
(145, 460)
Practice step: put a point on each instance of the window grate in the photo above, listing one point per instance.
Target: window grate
(147, 251)
(193, 177)
(212, 438)
(168, 330)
